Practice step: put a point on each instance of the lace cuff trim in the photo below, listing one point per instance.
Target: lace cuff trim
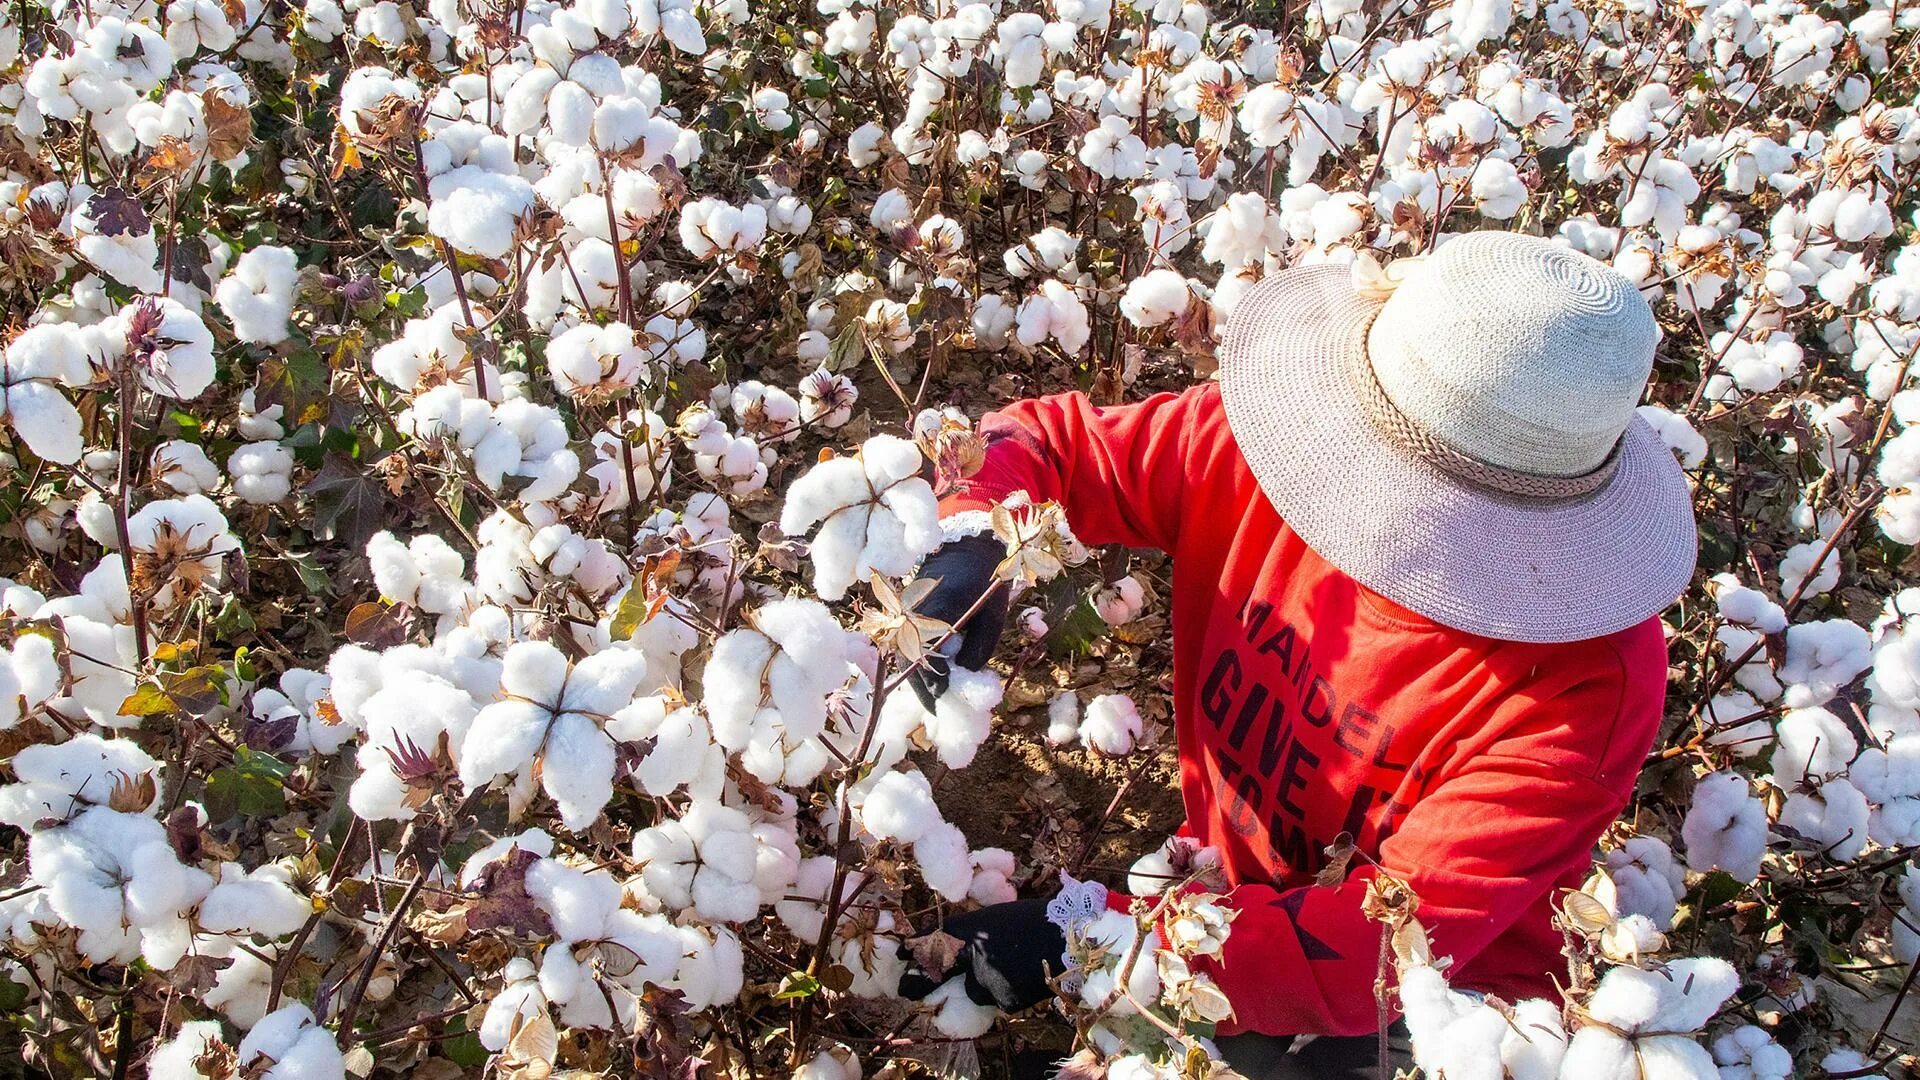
(1072, 908)
(964, 524)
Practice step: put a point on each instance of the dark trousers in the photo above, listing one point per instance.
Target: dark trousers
(1275, 1057)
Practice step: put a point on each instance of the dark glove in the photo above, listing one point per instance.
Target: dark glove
(964, 570)
(1007, 952)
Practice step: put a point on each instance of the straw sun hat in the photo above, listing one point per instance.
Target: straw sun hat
(1462, 439)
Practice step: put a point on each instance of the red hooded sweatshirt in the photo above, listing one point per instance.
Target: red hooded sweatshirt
(1482, 772)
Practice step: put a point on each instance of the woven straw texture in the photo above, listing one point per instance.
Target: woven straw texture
(1464, 555)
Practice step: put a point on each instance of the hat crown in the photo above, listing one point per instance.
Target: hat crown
(1516, 351)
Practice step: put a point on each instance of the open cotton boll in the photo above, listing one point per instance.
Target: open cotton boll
(113, 877)
(710, 227)
(425, 571)
(993, 871)
(1748, 1052)
(477, 210)
(1461, 1035)
(1116, 936)
(29, 675)
(945, 865)
(289, 1044)
(184, 468)
(1063, 719)
(1833, 815)
(57, 780)
(176, 1058)
(261, 902)
(1112, 725)
(1120, 602)
(257, 294)
(1822, 657)
(518, 1002)
(876, 515)
(960, 722)
(899, 806)
(1890, 780)
(1814, 743)
(1726, 828)
(1154, 298)
(1056, 312)
(1640, 877)
(262, 472)
(553, 714)
(956, 1016)
(1799, 574)
(1748, 607)
(404, 723)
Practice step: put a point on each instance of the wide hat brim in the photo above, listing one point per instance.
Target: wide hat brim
(1463, 555)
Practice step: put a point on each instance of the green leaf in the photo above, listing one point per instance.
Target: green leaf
(313, 577)
(253, 786)
(464, 1049)
(797, 984)
(1717, 888)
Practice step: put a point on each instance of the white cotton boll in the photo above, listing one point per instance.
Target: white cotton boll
(111, 875)
(175, 1059)
(1726, 827)
(1112, 151)
(263, 902)
(1813, 744)
(257, 294)
(963, 716)
(892, 211)
(1822, 658)
(1798, 563)
(1056, 312)
(262, 472)
(1063, 719)
(1119, 935)
(1157, 297)
(184, 467)
(956, 1015)
(289, 1044)
(45, 420)
(1120, 602)
(1640, 877)
(1688, 445)
(1746, 606)
(56, 780)
(1757, 367)
(710, 227)
(1453, 1034)
(993, 871)
(946, 867)
(1112, 725)
(180, 363)
(1749, 1052)
(877, 515)
(900, 807)
(1834, 816)
(519, 999)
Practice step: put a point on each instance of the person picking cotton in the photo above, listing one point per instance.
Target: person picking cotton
(1421, 542)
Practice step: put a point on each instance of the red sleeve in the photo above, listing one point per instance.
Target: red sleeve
(1118, 472)
(1481, 849)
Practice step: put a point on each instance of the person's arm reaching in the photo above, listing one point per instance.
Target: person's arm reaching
(1118, 472)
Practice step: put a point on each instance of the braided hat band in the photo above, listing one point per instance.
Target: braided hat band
(1415, 439)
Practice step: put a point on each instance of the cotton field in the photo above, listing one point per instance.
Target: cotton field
(465, 467)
